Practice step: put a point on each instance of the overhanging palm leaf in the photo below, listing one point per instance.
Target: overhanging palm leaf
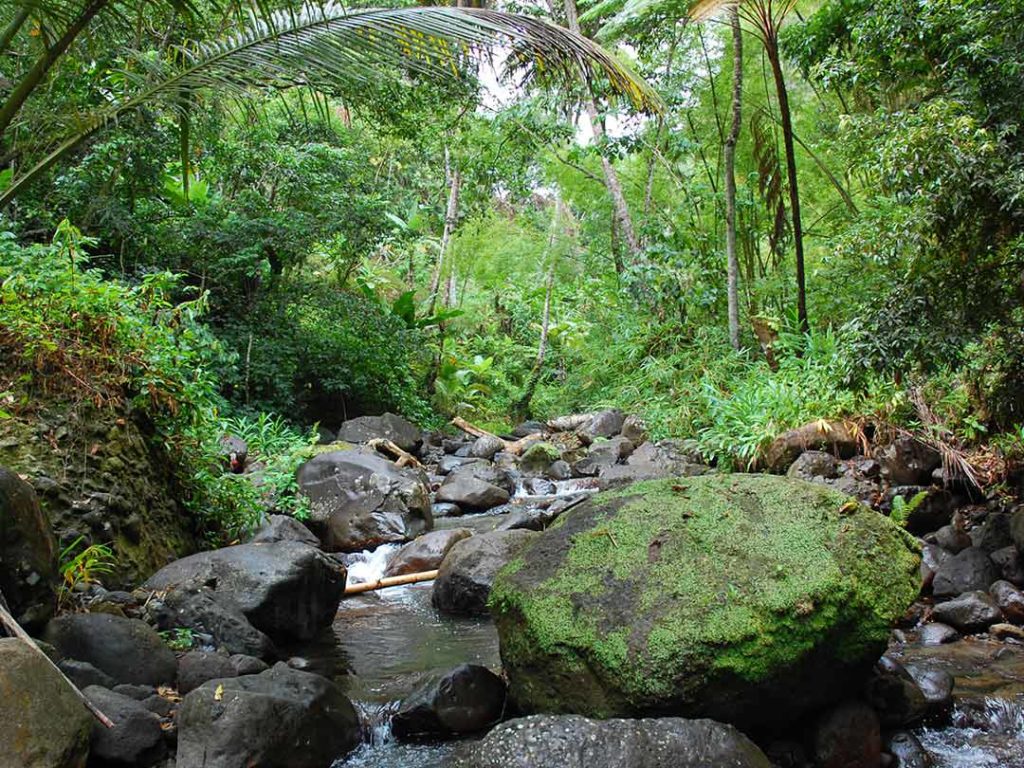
(345, 48)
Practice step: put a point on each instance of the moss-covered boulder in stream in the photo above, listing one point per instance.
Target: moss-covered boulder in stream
(749, 599)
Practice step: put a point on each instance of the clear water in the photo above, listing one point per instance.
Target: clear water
(984, 734)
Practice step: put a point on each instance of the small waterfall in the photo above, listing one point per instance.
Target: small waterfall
(983, 733)
(1003, 717)
(370, 564)
(377, 722)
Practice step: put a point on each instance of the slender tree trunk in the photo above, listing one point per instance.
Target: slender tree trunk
(772, 49)
(45, 62)
(13, 28)
(730, 178)
(451, 217)
(620, 208)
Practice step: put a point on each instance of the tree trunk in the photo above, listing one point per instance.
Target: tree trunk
(451, 218)
(772, 49)
(45, 62)
(730, 178)
(620, 208)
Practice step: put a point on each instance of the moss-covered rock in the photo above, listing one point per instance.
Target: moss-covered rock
(745, 598)
(103, 474)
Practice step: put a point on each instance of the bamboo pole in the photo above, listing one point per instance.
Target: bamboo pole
(12, 626)
(390, 581)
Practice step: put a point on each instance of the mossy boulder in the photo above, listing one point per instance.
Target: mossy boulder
(749, 599)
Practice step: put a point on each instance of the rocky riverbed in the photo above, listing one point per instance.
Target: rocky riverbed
(795, 593)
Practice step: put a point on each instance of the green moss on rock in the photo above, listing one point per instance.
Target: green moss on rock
(747, 598)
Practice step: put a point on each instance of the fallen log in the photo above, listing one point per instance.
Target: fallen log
(515, 447)
(390, 581)
(402, 458)
(16, 631)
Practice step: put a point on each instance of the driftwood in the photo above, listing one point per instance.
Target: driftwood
(515, 447)
(569, 423)
(391, 581)
(402, 458)
(16, 631)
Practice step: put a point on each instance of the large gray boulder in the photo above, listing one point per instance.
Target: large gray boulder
(651, 461)
(967, 571)
(388, 426)
(473, 488)
(42, 723)
(425, 553)
(204, 611)
(467, 573)
(28, 553)
(280, 717)
(467, 699)
(361, 500)
(136, 740)
(570, 741)
(286, 589)
(128, 650)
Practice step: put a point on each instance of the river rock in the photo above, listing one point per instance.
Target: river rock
(907, 461)
(952, 538)
(425, 553)
(606, 423)
(280, 717)
(967, 571)
(28, 553)
(196, 667)
(849, 736)
(362, 500)
(486, 446)
(936, 685)
(651, 461)
(128, 650)
(538, 457)
(527, 428)
(1010, 564)
(970, 612)
(42, 723)
(1017, 528)
(994, 533)
(388, 426)
(571, 741)
(603, 454)
(932, 512)
(83, 674)
(634, 429)
(895, 696)
(247, 665)
(466, 489)
(203, 610)
(937, 633)
(1010, 601)
(450, 463)
(467, 573)
(836, 437)
(288, 590)
(283, 528)
(811, 465)
(907, 749)
(445, 509)
(136, 739)
(468, 699)
(718, 596)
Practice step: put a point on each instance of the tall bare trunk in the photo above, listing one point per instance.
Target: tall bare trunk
(620, 208)
(730, 178)
(451, 218)
(772, 49)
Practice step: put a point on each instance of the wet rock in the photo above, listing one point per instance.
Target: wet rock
(1010, 565)
(136, 739)
(559, 470)
(451, 463)
(937, 633)
(932, 512)
(284, 528)
(993, 534)
(604, 424)
(83, 674)
(196, 667)
(838, 438)
(42, 723)
(287, 589)
(466, 489)
(468, 699)
(603, 454)
(907, 749)
(1007, 632)
(445, 509)
(848, 737)
(907, 461)
(388, 426)
(967, 571)
(218, 616)
(467, 573)
(895, 696)
(936, 685)
(280, 717)
(128, 650)
(1010, 601)
(425, 553)
(932, 558)
(613, 570)
(28, 553)
(1017, 528)
(527, 428)
(810, 465)
(952, 538)
(650, 462)
(634, 429)
(571, 741)
(539, 457)
(247, 665)
(486, 446)
(970, 612)
(362, 500)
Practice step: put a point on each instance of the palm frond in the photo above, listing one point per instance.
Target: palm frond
(338, 49)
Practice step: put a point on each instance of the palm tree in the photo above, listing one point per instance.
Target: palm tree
(328, 46)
